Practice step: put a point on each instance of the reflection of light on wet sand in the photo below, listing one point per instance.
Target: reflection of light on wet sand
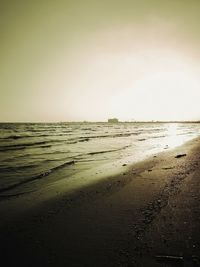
(173, 137)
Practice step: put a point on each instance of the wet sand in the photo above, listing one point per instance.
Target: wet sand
(137, 218)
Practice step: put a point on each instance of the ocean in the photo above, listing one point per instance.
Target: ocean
(34, 155)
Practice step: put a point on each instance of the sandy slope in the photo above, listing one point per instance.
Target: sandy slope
(151, 209)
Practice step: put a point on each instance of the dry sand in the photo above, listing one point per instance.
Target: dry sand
(150, 210)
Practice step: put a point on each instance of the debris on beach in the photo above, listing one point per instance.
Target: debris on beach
(168, 168)
(180, 156)
(178, 259)
(169, 258)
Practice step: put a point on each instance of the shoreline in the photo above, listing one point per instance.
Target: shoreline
(114, 222)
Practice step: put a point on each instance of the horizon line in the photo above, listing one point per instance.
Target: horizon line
(126, 121)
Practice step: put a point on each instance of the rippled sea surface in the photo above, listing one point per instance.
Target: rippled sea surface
(30, 153)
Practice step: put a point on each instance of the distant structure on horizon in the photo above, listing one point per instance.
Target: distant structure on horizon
(113, 120)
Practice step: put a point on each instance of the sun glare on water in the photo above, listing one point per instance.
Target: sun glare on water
(175, 136)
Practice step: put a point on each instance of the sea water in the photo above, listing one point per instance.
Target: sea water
(35, 154)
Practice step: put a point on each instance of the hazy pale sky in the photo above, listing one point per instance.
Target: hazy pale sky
(91, 60)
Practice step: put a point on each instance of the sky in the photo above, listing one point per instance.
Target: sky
(91, 60)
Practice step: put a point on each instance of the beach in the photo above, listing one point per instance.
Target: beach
(146, 215)
(100, 133)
